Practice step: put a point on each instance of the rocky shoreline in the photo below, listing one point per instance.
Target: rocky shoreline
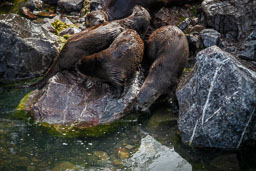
(216, 95)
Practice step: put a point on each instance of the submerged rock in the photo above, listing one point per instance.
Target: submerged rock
(230, 16)
(70, 100)
(249, 47)
(154, 156)
(26, 49)
(217, 105)
(210, 37)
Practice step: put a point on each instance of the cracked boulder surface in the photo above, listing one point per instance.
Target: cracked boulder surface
(218, 103)
(26, 49)
(69, 99)
(235, 17)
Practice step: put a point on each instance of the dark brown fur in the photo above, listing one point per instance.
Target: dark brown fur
(168, 48)
(118, 62)
(94, 40)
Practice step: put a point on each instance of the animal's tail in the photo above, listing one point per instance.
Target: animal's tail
(52, 71)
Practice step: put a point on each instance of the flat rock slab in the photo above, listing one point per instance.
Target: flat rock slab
(70, 100)
(217, 105)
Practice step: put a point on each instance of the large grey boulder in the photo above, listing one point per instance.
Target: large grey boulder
(70, 5)
(210, 37)
(248, 51)
(154, 156)
(217, 105)
(235, 16)
(26, 49)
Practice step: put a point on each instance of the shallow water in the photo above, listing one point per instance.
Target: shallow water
(27, 146)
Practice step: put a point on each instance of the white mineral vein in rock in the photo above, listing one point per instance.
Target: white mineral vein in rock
(83, 111)
(215, 113)
(245, 128)
(209, 93)
(65, 111)
(193, 134)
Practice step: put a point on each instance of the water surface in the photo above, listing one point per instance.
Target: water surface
(27, 146)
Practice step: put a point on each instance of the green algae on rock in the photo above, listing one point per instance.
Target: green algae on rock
(15, 8)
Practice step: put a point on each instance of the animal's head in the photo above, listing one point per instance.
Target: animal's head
(95, 18)
(146, 97)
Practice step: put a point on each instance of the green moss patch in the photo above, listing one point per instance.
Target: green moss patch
(71, 130)
(15, 8)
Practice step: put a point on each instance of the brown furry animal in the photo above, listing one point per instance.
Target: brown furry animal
(118, 62)
(94, 40)
(117, 9)
(168, 48)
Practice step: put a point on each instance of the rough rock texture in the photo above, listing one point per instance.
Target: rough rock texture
(154, 156)
(69, 99)
(249, 47)
(217, 105)
(236, 16)
(26, 49)
(169, 16)
(70, 5)
(210, 37)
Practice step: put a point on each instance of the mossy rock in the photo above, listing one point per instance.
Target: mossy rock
(71, 130)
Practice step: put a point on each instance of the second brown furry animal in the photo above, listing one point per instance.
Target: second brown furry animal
(168, 48)
(117, 63)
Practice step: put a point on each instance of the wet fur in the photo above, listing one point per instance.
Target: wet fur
(168, 48)
(94, 40)
(117, 63)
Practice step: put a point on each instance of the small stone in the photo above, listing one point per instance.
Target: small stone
(185, 24)
(101, 155)
(129, 147)
(123, 154)
(31, 168)
(117, 162)
(23, 158)
(210, 37)
(249, 47)
(64, 166)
